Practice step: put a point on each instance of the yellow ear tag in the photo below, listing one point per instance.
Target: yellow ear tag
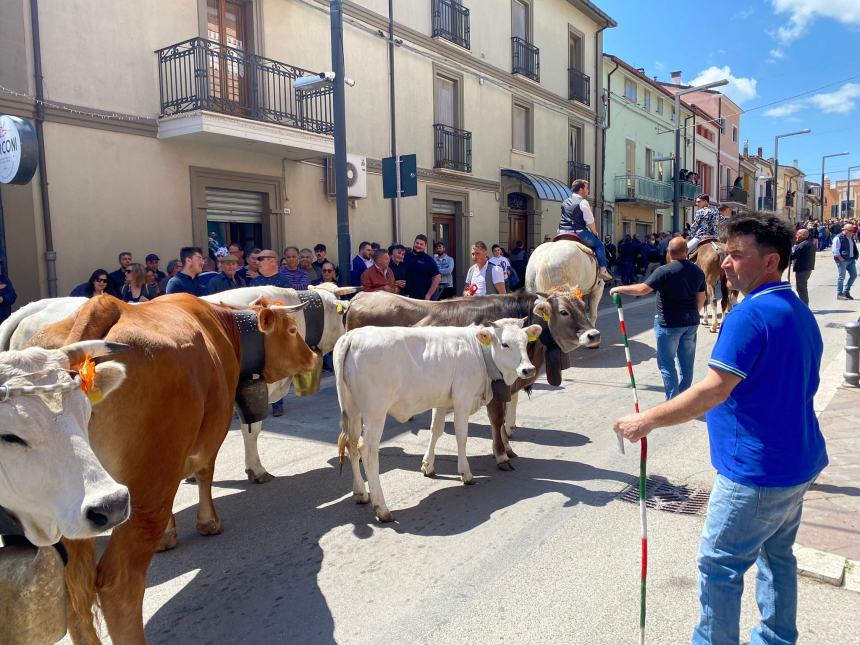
(545, 317)
(486, 341)
(533, 337)
(339, 308)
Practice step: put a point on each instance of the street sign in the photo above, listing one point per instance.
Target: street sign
(19, 155)
(408, 176)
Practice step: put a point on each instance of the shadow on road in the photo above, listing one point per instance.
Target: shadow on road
(852, 491)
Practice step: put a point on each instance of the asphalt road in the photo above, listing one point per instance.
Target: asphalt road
(546, 553)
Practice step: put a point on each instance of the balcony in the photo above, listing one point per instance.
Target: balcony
(576, 170)
(642, 190)
(526, 59)
(578, 86)
(732, 195)
(689, 191)
(211, 92)
(451, 22)
(765, 204)
(452, 148)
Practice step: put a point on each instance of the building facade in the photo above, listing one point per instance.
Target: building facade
(162, 126)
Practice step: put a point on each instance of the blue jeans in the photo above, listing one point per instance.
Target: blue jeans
(593, 242)
(747, 525)
(842, 266)
(672, 342)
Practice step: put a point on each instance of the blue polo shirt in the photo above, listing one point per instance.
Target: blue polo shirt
(184, 283)
(766, 433)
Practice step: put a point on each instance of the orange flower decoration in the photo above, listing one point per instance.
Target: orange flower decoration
(577, 293)
(87, 372)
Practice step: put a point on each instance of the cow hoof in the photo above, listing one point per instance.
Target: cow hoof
(212, 527)
(510, 453)
(504, 465)
(168, 541)
(259, 479)
(361, 498)
(467, 478)
(427, 470)
(383, 515)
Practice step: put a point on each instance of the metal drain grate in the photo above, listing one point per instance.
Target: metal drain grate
(665, 496)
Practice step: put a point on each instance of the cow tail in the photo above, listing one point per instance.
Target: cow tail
(340, 352)
(81, 590)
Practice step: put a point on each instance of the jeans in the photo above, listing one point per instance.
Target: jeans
(842, 266)
(672, 342)
(801, 278)
(746, 525)
(692, 243)
(593, 242)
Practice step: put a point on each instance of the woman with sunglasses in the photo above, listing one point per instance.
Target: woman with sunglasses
(97, 284)
(135, 288)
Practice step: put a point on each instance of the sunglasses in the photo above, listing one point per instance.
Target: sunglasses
(128, 271)
(102, 280)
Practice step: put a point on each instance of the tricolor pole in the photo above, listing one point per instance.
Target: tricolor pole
(643, 458)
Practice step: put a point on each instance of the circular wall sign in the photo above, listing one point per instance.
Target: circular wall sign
(19, 153)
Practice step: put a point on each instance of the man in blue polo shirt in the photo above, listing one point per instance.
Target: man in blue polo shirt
(766, 455)
(186, 280)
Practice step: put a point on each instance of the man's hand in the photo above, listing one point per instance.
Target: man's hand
(838, 258)
(400, 283)
(633, 427)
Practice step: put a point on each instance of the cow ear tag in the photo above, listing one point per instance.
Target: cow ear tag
(545, 317)
(339, 308)
(486, 341)
(533, 337)
(87, 372)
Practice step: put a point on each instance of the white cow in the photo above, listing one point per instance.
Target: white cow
(50, 479)
(403, 371)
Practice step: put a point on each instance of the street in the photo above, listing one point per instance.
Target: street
(546, 553)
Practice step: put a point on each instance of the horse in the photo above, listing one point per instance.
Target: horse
(709, 258)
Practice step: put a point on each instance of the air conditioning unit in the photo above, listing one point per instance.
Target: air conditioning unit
(356, 176)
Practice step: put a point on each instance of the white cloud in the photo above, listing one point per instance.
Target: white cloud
(743, 14)
(776, 53)
(841, 101)
(739, 89)
(784, 110)
(802, 13)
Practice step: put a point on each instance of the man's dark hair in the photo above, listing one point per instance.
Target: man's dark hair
(480, 245)
(421, 237)
(704, 196)
(362, 245)
(396, 247)
(187, 251)
(121, 253)
(578, 184)
(496, 246)
(319, 247)
(378, 253)
(375, 245)
(771, 234)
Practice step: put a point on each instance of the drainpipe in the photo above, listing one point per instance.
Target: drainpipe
(603, 138)
(719, 145)
(50, 254)
(395, 203)
(599, 142)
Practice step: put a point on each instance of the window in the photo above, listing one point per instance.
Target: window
(630, 89)
(648, 100)
(630, 157)
(574, 56)
(722, 123)
(673, 113)
(522, 128)
(520, 20)
(649, 163)
(705, 133)
(735, 133)
(448, 101)
(659, 106)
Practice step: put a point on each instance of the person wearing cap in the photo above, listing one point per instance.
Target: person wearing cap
(226, 279)
(705, 222)
(152, 261)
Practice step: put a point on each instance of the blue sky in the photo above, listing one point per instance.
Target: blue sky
(770, 50)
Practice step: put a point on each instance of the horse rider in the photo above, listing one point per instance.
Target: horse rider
(705, 222)
(576, 217)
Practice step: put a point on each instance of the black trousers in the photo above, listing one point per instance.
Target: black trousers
(801, 278)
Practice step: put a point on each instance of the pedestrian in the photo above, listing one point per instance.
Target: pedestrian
(483, 276)
(213, 243)
(227, 277)
(306, 264)
(320, 254)
(295, 277)
(803, 263)
(173, 267)
(185, 280)
(250, 270)
(680, 287)
(152, 283)
(328, 273)
(210, 270)
(116, 279)
(766, 456)
(445, 264)
(626, 256)
(7, 293)
(152, 261)
(576, 217)
(422, 274)
(95, 286)
(234, 248)
(519, 258)
(823, 236)
(361, 262)
(845, 255)
(398, 266)
(379, 277)
(663, 247)
(651, 252)
(611, 252)
(135, 288)
(269, 271)
(705, 222)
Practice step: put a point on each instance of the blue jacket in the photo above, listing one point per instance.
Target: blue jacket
(844, 246)
(184, 283)
(7, 292)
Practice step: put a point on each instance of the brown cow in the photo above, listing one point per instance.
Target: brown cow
(562, 314)
(167, 421)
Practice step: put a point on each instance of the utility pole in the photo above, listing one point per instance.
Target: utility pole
(344, 242)
(776, 161)
(392, 110)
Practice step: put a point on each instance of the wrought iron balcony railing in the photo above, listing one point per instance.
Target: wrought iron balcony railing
(635, 188)
(688, 191)
(201, 74)
(734, 195)
(453, 148)
(526, 58)
(451, 22)
(577, 170)
(579, 86)
(765, 204)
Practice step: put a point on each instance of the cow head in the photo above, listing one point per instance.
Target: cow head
(50, 479)
(566, 316)
(287, 353)
(507, 342)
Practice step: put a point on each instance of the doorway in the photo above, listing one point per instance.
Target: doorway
(227, 25)
(234, 216)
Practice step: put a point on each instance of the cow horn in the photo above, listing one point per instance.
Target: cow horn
(346, 291)
(292, 308)
(77, 352)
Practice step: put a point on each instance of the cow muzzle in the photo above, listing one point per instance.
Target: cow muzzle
(526, 371)
(109, 511)
(590, 339)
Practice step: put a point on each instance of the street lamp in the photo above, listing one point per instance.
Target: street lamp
(837, 154)
(776, 160)
(849, 190)
(676, 196)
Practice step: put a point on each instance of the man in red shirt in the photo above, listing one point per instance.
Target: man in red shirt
(379, 277)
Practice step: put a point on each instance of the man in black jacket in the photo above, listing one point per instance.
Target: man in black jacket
(803, 262)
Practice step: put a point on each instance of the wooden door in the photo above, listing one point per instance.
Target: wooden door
(227, 24)
(444, 231)
(516, 230)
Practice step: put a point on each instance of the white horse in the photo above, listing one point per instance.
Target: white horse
(566, 263)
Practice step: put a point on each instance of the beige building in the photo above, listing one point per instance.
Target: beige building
(167, 121)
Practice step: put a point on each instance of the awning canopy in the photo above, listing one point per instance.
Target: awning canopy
(545, 187)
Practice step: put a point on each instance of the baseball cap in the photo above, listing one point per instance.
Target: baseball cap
(151, 257)
(228, 258)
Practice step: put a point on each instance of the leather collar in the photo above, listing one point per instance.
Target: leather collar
(314, 314)
(252, 348)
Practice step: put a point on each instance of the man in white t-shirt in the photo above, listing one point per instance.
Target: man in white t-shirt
(483, 277)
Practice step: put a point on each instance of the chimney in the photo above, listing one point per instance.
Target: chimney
(760, 153)
(676, 77)
(641, 70)
(746, 147)
(794, 163)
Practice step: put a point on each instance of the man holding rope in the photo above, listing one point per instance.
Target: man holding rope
(766, 456)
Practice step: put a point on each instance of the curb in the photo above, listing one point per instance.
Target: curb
(829, 568)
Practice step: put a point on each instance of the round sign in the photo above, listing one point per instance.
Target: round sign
(19, 153)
